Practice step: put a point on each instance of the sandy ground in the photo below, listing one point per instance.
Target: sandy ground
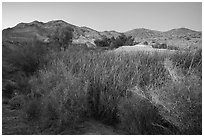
(142, 48)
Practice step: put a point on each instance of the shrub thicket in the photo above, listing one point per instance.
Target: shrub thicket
(160, 46)
(20, 63)
(121, 40)
(62, 96)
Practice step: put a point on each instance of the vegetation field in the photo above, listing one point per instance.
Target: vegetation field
(139, 93)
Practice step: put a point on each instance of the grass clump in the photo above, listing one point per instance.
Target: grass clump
(182, 104)
(62, 96)
(137, 115)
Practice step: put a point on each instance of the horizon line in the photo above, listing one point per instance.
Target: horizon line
(103, 30)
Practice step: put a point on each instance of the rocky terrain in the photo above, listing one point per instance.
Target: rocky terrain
(26, 32)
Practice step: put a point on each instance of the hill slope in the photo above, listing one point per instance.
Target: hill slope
(26, 32)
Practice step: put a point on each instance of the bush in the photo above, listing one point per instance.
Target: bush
(180, 99)
(129, 41)
(163, 46)
(137, 115)
(182, 104)
(121, 40)
(27, 58)
(105, 42)
(20, 63)
(145, 43)
(172, 47)
(160, 46)
(63, 96)
(188, 61)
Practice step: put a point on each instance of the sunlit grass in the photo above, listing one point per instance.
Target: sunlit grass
(133, 92)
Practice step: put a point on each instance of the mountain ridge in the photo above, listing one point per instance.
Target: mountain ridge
(42, 30)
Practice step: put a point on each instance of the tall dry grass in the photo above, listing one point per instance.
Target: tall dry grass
(133, 92)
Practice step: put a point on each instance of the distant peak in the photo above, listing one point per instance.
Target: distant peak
(36, 22)
(57, 22)
(142, 30)
(183, 29)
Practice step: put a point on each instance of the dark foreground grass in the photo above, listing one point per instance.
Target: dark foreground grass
(139, 93)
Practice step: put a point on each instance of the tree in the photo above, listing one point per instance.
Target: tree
(160, 46)
(129, 41)
(105, 42)
(163, 46)
(63, 36)
(145, 43)
(114, 43)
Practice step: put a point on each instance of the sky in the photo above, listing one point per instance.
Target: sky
(106, 16)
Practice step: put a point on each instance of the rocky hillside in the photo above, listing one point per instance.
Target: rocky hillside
(142, 33)
(26, 32)
(181, 37)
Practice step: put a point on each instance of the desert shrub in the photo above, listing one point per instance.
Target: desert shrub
(27, 58)
(102, 102)
(139, 116)
(105, 42)
(115, 43)
(160, 46)
(145, 43)
(181, 103)
(170, 47)
(63, 96)
(129, 41)
(163, 46)
(175, 107)
(20, 63)
(152, 71)
(123, 40)
(188, 60)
